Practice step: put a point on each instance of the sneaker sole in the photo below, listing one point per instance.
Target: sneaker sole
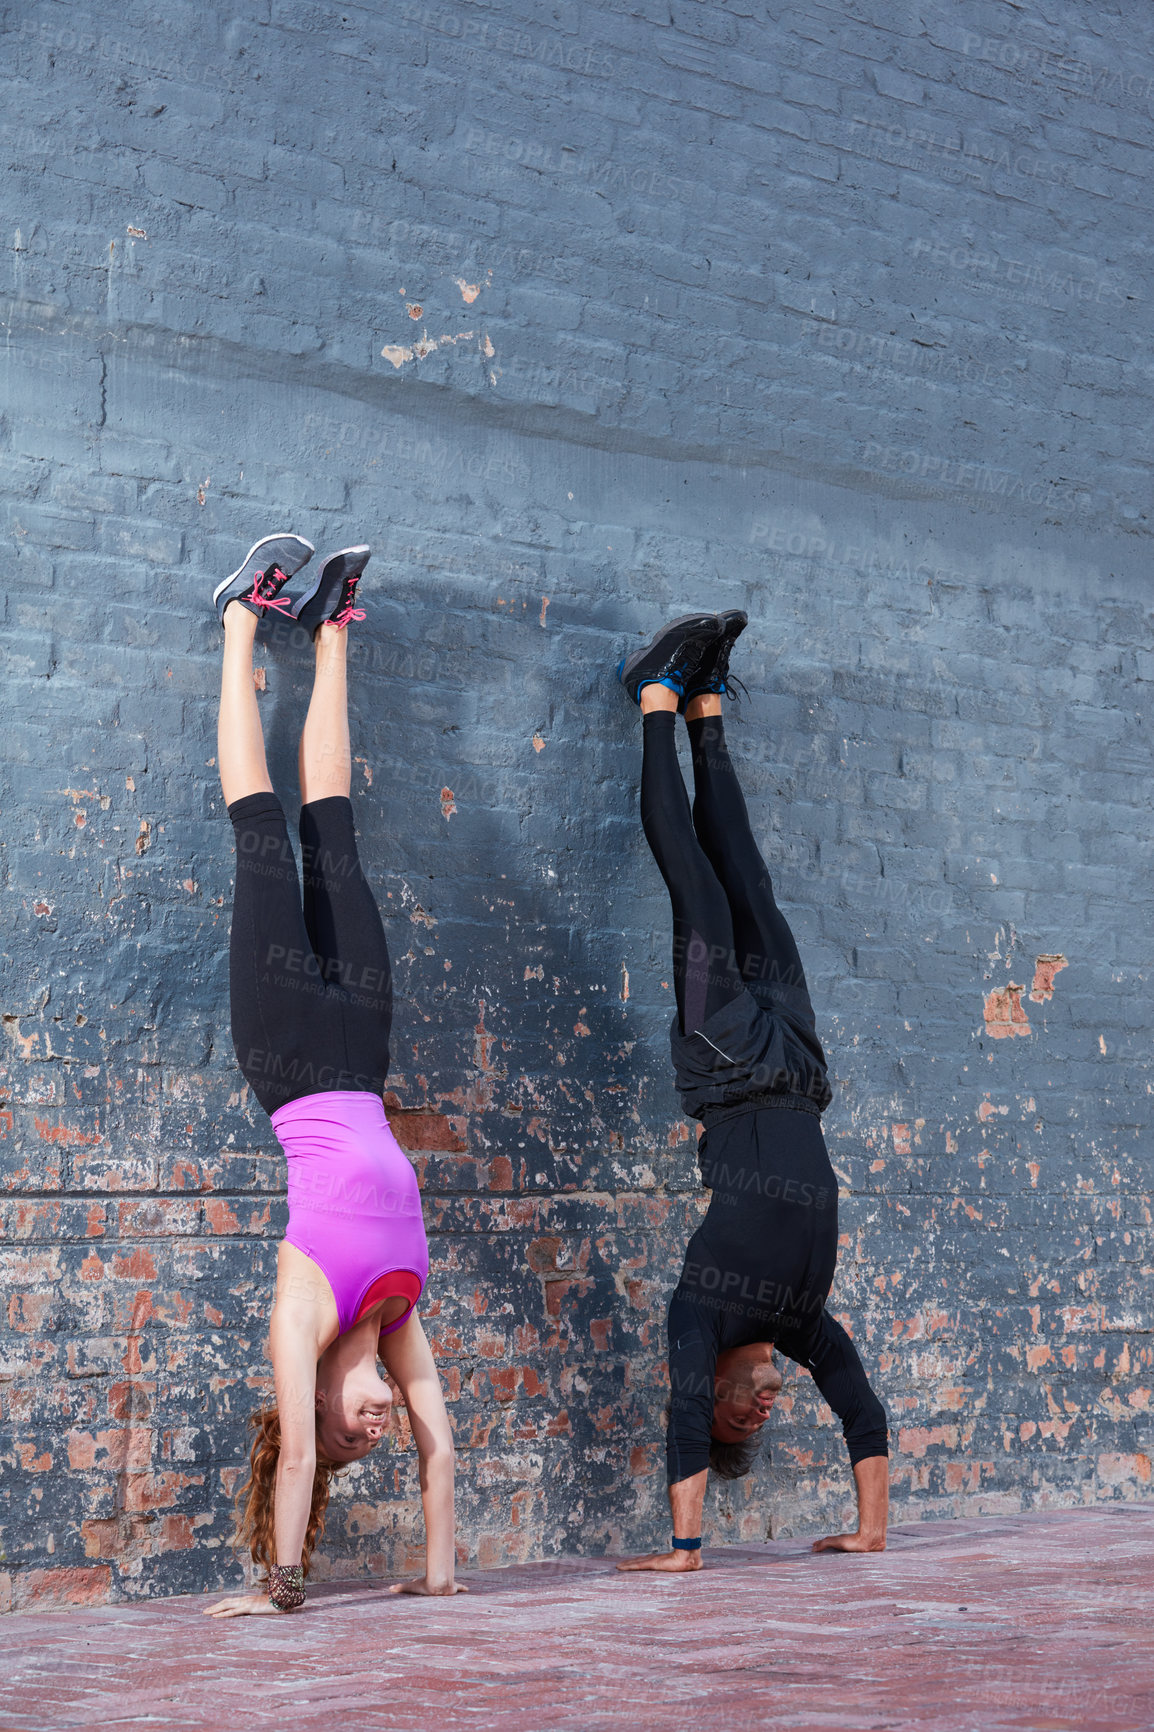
(265, 540)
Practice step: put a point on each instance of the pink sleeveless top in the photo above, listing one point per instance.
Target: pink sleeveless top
(354, 1206)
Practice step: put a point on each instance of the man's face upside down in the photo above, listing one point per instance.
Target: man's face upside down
(744, 1391)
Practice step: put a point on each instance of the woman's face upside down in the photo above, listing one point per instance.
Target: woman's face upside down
(354, 1410)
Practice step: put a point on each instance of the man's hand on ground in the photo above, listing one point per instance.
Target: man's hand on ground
(422, 1585)
(872, 1477)
(851, 1543)
(670, 1563)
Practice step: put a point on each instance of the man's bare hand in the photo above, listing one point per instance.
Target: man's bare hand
(243, 1606)
(851, 1543)
(669, 1563)
(422, 1585)
(872, 1477)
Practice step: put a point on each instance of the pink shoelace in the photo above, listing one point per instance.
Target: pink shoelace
(347, 611)
(277, 602)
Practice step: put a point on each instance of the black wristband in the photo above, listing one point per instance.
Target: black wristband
(686, 1545)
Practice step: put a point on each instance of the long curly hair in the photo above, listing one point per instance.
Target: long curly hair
(256, 1499)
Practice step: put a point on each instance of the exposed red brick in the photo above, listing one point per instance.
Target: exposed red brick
(101, 1538)
(1004, 1014)
(490, 1346)
(556, 1293)
(177, 1533)
(541, 1254)
(422, 1129)
(28, 1312)
(1045, 968)
(130, 1400)
(123, 1449)
(500, 1174)
(67, 1586)
(138, 1265)
(1124, 1469)
(65, 1134)
(146, 1491)
(915, 1440)
(221, 1216)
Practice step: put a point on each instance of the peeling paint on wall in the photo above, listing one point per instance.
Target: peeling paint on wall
(1045, 969)
(398, 354)
(1004, 1014)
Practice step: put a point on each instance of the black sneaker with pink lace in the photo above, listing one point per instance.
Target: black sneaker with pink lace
(271, 580)
(334, 599)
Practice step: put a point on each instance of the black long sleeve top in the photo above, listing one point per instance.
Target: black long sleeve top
(760, 1268)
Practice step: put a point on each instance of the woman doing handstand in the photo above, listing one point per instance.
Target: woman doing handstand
(311, 998)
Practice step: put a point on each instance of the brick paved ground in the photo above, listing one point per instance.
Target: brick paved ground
(1034, 1623)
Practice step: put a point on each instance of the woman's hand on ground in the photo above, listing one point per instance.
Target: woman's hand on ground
(858, 1542)
(422, 1585)
(243, 1606)
(670, 1563)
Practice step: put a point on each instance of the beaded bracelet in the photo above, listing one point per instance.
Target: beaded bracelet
(286, 1586)
(686, 1545)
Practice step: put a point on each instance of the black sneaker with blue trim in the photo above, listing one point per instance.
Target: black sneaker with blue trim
(673, 656)
(713, 673)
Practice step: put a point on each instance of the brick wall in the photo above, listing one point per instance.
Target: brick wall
(582, 316)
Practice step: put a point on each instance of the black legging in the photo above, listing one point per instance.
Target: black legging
(728, 932)
(310, 984)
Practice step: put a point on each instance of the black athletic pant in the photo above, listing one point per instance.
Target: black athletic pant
(310, 984)
(728, 932)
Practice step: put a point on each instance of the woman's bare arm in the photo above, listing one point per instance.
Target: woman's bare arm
(409, 1362)
(300, 1317)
